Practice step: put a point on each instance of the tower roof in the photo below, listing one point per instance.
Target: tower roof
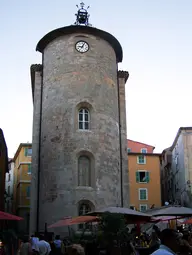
(42, 44)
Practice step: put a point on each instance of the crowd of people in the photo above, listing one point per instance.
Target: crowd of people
(166, 242)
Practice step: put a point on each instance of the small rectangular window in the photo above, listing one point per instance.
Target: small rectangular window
(29, 169)
(143, 208)
(141, 159)
(28, 152)
(143, 150)
(9, 178)
(142, 176)
(128, 150)
(28, 192)
(143, 194)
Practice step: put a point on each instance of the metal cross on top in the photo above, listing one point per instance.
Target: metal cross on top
(82, 15)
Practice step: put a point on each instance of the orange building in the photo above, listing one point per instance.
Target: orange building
(144, 176)
(22, 182)
(3, 169)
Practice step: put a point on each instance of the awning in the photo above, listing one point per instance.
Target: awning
(7, 216)
(131, 216)
(72, 221)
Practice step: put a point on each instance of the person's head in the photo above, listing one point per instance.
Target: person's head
(76, 249)
(57, 237)
(171, 238)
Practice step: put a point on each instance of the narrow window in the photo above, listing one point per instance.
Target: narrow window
(141, 159)
(143, 194)
(84, 119)
(142, 176)
(84, 171)
(83, 209)
(28, 192)
(143, 208)
(144, 150)
(28, 152)
(29, 169)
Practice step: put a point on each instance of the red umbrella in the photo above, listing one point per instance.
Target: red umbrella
(77, 220)
(64, 222)
(7, 216)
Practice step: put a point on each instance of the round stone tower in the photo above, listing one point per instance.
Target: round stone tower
(79, 160)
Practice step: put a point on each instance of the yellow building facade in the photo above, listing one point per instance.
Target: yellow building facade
(144, 176)
(22, 182)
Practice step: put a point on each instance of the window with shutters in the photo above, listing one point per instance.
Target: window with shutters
(143, 207)
(28, 152)
(84, 171)
(141, 159)
(29, 169)
(142, 176)
(28, 192)
(143, 194)
(84, 119)
(144, 150)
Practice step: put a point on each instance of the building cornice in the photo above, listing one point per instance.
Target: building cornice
(144, 154)
(123, 74)
(33, 69)
(51, 36)
(19, 149)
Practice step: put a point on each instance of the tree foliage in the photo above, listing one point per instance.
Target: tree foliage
(114, 227)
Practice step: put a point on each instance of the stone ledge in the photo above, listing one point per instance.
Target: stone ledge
(85, 188)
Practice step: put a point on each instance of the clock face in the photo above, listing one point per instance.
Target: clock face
(82, 46)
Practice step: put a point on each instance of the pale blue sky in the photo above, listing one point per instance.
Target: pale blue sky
(156, 36)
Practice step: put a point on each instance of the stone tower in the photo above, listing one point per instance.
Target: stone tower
(79, 125)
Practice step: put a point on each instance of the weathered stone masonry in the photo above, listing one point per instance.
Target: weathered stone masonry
(67, 81)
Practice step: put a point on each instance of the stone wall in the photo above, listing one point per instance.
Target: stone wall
(72, 80)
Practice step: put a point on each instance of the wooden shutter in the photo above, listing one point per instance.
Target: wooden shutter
(29, 168)
(137, 176)
(28, 191)
(147, 177)
(26, 152)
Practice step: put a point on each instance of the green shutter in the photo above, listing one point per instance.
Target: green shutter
(28, 191)
(137, 177)
(26, 150)
(29, 168)
(147, 177)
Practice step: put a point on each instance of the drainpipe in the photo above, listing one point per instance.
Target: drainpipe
(120, 142)
(39, 151)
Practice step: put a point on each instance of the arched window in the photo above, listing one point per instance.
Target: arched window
(84, 171)
(83, 209)
(84, 119)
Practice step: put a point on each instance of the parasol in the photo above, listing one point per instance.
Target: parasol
(171, 211)
(7, 216)
(130, 215)
(72, 221)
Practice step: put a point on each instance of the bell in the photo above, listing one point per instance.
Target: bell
(82, 18)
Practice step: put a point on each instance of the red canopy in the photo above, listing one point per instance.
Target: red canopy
(7, 216)
(76, 220)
